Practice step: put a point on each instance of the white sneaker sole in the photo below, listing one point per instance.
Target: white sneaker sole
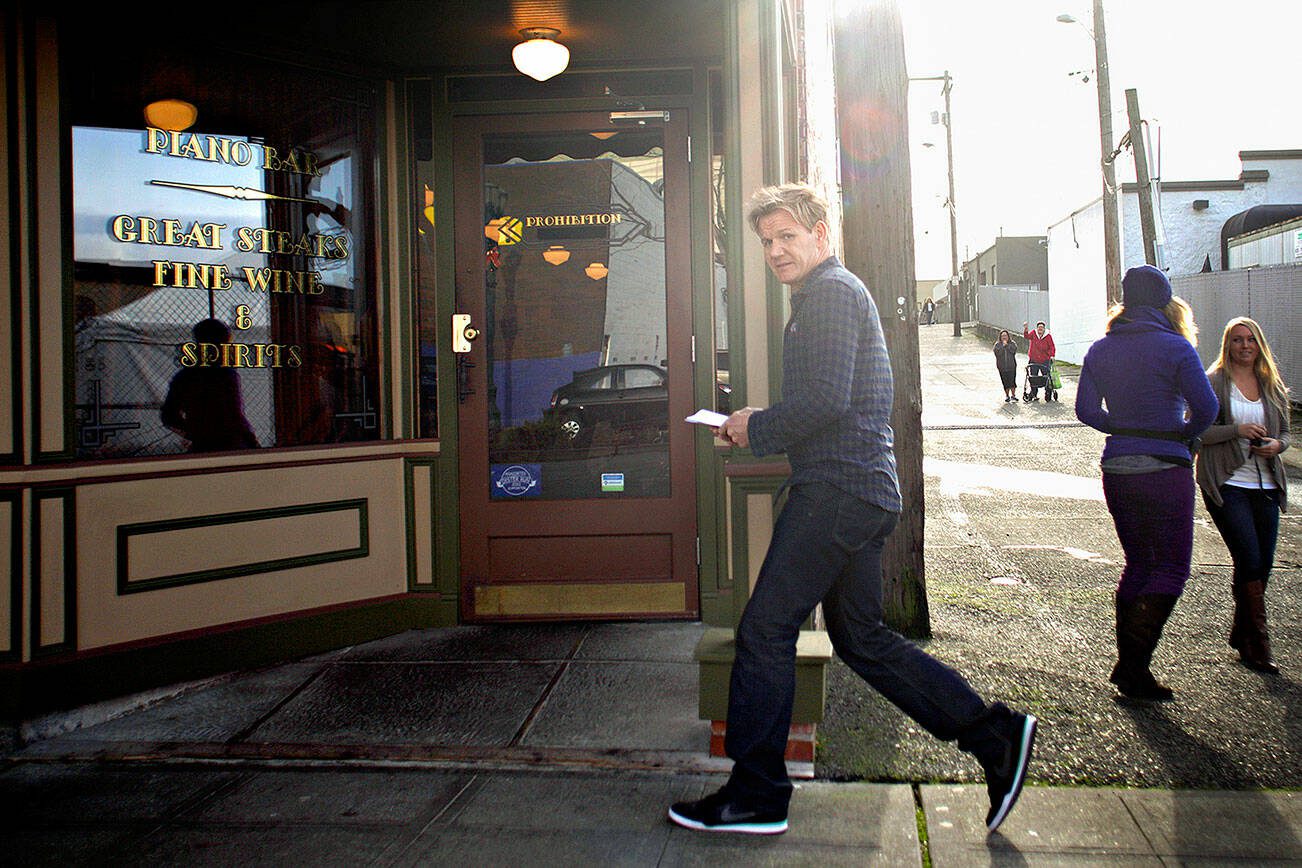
(1019, 776)
(746, 828)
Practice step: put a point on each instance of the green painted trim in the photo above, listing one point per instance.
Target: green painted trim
(740, 489)
(15, 252)
(69, 554)
(402, 191)
(447, 522)
(35, 688)
(65, 338)
(409, 497)
(389, 295)
(15, 652)
(126, 531)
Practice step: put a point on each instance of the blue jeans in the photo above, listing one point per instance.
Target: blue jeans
(1249, 523)
(826, 546)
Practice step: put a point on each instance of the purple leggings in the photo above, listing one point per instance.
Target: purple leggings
(1153, 513)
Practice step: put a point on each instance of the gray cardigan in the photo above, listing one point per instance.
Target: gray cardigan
(1223, 451)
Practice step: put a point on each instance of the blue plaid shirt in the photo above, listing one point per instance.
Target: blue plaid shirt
(834, 419)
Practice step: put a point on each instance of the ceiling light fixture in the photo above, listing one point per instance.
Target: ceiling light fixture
(540, 56)
(173, 115)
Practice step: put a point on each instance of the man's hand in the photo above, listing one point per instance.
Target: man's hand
(736, 428)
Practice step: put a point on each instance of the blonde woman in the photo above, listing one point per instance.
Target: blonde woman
(1135, 385)
(1242, 477)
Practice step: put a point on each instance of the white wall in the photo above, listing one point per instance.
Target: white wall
(1077, 288)
(1285, 184)
(1191, 235)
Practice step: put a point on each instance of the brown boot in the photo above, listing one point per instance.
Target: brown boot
(1139, 626)
(1254, 648)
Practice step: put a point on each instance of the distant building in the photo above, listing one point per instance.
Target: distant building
(1013, 260)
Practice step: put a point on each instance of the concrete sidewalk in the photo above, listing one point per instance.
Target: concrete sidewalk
(193, 814)
(525, 745)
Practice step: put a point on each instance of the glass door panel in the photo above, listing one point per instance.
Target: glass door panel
(575, 322)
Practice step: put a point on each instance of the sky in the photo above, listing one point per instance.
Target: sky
(1212, 78)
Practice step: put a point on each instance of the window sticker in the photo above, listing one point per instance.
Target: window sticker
(612, 482)
(515, 480)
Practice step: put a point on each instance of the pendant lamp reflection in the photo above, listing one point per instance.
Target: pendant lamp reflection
(556, 255)
(596, 271)
(173, 115)
(540, 56)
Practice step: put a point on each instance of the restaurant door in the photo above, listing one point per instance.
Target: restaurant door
(574, 367)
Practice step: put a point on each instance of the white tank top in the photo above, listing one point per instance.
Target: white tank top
(1253, 473)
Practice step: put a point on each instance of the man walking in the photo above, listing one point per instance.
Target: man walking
(1039, 353)
(834, 424)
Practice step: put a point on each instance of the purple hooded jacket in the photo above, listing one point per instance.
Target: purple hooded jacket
(1142, 375)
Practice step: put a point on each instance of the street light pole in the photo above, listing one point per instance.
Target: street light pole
(1111, 228)
(954, 293)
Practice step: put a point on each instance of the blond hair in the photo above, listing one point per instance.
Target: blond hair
(1177, 312)
(801, 200)
(1265, 369)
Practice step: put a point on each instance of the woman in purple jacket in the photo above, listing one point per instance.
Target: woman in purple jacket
(1143, 385)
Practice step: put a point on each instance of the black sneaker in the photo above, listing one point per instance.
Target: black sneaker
(1004, 781)
(720, 812)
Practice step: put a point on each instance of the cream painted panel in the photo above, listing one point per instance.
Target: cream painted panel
(49, 223)
(759, 530)
(7, 571)
(105, 618)
(421, 524)
(52, 630)
(167, 553)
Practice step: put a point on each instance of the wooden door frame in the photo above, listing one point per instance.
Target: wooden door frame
(542, 517)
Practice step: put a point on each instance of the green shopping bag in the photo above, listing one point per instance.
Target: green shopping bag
(1055, 378)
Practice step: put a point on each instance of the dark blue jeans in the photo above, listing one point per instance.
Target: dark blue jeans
(1153, 514)
(1249, 523)
(827, 546)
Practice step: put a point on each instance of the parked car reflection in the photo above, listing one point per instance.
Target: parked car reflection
(623, 396)
(628, 398)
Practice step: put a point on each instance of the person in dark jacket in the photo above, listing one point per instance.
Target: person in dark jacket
(1143, 385)
(834, 424)
(1242, 477)
(1006, 364)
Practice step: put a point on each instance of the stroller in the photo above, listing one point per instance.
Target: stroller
(1040, 381)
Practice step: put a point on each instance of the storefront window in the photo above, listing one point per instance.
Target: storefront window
(223, 289)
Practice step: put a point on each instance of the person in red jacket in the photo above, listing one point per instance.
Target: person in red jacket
(1040, 353)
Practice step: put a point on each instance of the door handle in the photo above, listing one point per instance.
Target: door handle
(462, 333)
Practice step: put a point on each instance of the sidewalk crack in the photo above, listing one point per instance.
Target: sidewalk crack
(547, 691)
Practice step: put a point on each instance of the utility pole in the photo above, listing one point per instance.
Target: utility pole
(954, 289)
(1111, 228)
(956, 297)
(1146, 222)
(871, 87)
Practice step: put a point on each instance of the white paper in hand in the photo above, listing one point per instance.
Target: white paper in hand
(707, 417)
